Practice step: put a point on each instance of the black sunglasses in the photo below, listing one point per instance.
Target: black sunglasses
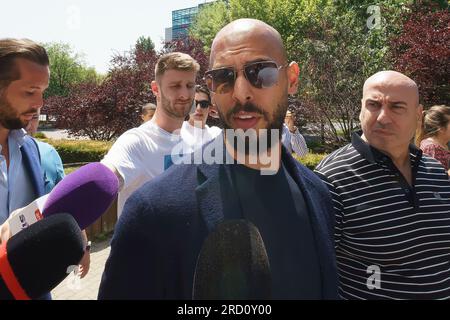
(261, 74)
(203, 103)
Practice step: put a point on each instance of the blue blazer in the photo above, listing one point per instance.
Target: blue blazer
(160, 233)
(32, 162)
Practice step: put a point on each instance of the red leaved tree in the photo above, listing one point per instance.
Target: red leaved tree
(105, 111)
(422, 51)
(194, 48)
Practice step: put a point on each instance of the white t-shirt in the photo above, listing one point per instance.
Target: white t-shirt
(139, 155)
(196, 137)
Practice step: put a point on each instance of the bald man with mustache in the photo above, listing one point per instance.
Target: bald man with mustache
(392, 203)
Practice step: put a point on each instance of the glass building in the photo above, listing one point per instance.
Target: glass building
(181, 21)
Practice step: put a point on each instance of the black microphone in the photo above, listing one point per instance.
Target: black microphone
(232, 264)
(35, 260)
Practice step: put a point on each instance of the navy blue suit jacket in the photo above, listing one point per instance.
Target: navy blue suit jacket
(164, 223)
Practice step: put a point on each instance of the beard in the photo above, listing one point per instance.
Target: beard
(169, 107)
(9, 119)
(274, 122)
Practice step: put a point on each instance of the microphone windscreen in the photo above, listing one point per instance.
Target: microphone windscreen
(85, 193)
(232, 264)
(40, 255)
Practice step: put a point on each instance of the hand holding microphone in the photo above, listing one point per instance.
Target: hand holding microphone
(5, 233)
(35, 261)
(86, 194)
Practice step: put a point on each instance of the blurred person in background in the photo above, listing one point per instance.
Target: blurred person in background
(433, 134)
(292, 138)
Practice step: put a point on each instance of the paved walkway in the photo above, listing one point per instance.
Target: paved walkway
(60, 134)
(73, 288)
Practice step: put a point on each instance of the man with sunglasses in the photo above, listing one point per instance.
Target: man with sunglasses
(195, 132)
(165, 223)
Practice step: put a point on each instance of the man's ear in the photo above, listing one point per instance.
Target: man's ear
(419, 112)
(293, 72)
(155, 88)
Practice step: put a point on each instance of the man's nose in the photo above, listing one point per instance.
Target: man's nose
(384, 115)
(243, 91)
(38, 102)
(186, 92)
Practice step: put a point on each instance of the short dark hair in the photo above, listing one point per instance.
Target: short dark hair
(203, 89)
(11, 49)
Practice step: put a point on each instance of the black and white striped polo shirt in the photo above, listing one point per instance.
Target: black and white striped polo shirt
(392, 239)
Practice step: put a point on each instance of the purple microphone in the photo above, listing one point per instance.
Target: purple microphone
(85, 193)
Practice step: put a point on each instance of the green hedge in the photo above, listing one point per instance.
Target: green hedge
(311, 160)
(72, 151)
(68, 170)
(90, 151)
(40, 135)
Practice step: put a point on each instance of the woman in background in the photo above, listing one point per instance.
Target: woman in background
(433, 135)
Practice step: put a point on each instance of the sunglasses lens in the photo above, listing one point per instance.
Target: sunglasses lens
(262, 74)
(220, 80)
(203, 103)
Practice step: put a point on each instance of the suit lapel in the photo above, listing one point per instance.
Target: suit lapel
(318, 216)
(216, 197)
(32, 163)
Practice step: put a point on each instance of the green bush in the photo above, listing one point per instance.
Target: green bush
(311, 160)
(68, 170)
(316, 146)
(40, 135)
(72, 151)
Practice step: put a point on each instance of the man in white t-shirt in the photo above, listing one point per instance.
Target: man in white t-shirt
(195, 132)
(144, 152)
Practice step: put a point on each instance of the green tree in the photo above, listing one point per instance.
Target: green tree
(209, 20)
(67, 69)
(337, 43)
(260, 9)
(343, 43)
(145, 44)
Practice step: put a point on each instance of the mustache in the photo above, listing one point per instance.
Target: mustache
(381, 126)
(31, 111)
(248, 107)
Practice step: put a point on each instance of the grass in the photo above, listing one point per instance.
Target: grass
(70, 169)
(311, 160)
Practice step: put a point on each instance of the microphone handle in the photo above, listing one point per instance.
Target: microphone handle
(24, 217)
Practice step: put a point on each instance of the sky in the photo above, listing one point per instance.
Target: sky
(96, 28)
